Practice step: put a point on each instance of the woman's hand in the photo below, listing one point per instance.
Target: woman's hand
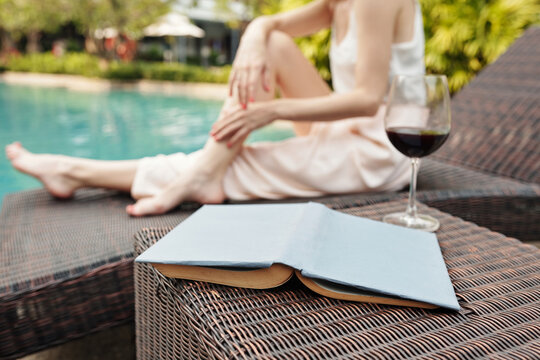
(236, 122)
(251, 65)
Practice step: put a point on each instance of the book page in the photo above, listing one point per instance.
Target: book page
(306, 236)
(253, 236)
(383, 258)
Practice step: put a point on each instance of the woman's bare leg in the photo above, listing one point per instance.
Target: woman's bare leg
(201, 183)
(62, 175)
(295, 76)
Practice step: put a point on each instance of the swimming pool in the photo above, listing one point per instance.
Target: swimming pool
(114, 125)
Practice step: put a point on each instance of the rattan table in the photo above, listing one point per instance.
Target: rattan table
(496, 278)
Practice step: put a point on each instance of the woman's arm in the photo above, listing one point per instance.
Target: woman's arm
(302, 21)
(375, 22)
(375, 30)
(251, 62)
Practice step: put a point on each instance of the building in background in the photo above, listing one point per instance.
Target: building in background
(220, 42)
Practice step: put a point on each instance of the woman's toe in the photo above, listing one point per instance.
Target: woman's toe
(146, 206)
(13, 150)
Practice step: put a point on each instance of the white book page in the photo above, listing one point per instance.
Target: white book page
(379, 257)
(229, 235)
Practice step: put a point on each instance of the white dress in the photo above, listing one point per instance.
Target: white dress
(345, 156)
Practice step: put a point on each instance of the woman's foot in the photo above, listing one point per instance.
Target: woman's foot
(51, 170)
(197, 185)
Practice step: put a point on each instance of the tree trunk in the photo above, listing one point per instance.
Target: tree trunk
(7, 42)
(90, 45)
(33, 45)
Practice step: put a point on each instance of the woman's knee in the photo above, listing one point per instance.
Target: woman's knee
(280, 44)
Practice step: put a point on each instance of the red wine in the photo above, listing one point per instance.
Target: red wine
(416, 142)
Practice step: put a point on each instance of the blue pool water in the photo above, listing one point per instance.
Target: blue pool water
(115, 125)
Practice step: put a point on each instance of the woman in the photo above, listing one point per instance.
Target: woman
(340, 146)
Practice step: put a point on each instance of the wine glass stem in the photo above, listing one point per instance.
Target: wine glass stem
(411, 207)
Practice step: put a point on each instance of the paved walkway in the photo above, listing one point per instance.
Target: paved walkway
(81, 83)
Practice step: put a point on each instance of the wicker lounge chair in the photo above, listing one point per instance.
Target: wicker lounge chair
(496, 133)
(66, 266)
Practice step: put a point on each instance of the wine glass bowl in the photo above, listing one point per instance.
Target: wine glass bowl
(417, 122)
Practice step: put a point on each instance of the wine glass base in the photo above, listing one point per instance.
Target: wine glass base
(420, 222)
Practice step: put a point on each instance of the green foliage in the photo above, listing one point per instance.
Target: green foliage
(79, 64)
(20, 17)
(164, 71)
(89, 65)
(73, 46)
(316, 48)
(463, 36)
(90, 15)
(127, 16)
(123, 71)
(184, 72)
(154, 53)
(72, 63)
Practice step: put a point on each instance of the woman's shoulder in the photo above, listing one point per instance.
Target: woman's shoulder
(390, 6)
(397, 14)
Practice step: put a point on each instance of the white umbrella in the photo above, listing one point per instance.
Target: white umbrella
(174, 24)
(106, 33)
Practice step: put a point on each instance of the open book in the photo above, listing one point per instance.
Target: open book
(332, 253)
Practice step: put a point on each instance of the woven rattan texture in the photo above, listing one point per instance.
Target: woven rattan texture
(512, 214)
(436, 175)
(44, 239)
(498, 203)
(66, 267)
(496, 118)
(496, 278)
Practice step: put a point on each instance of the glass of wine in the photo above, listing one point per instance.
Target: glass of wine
(417, 122)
